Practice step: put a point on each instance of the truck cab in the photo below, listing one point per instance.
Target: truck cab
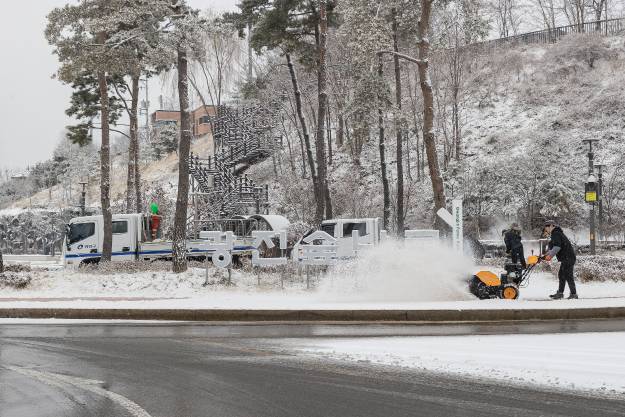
(84, 238)
(342, 230)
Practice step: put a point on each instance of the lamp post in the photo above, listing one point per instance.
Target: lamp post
(591, 193)
(600, 198)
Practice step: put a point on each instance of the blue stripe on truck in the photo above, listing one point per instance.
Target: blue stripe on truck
(151, 252)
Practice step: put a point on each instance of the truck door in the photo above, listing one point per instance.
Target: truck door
(123, 247)
(81, 242)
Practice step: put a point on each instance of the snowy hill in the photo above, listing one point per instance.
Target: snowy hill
(160, 175)
(524, 112)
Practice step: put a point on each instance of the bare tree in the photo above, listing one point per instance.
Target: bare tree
(324, 205)
(382, 149)
(302, 121)
(398, 130)
(507, 16)
(429, 140)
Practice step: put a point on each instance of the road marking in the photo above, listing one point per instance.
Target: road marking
(90, 385)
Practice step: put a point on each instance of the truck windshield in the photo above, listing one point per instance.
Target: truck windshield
(79, 231)
(348, 228)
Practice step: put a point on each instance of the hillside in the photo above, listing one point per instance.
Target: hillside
(159, 176)
(523, 113)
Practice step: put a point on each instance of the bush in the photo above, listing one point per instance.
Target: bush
(600, 268)
(14, 281)
(586, 48)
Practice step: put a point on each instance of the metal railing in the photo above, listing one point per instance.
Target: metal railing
(603, 27)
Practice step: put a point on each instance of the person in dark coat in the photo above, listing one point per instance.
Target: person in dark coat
(560, 246)
(514, 245)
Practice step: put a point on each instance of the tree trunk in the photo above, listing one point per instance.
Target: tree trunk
(329, 129)
(132, 148)
(105, 165)
(398, 131)
(322, 94)
(386, 213)
(302, 121)
(438, 187)
(137, 149)
(179, 244)
(340, 132)
(1, 262)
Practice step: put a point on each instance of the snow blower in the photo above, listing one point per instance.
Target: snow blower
(486, 284)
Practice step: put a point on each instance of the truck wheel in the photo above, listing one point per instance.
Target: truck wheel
(90, 261)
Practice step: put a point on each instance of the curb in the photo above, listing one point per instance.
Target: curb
(316, 315)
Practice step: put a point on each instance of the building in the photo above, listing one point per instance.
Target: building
(200, 119)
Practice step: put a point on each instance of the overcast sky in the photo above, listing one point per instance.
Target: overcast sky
(32, 117)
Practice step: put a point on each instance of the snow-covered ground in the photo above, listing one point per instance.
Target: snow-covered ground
(162, 289)
(578, 361)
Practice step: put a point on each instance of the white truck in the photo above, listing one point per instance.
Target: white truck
(369, 233)
(135, 239)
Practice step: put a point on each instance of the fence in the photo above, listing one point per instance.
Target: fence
(602, 27)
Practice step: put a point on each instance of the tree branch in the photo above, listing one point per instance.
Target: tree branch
(402, 56)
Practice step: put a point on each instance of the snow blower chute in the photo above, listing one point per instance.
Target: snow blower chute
(486, 284)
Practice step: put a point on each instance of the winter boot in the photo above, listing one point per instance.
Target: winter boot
(572, 297)
(557, 296)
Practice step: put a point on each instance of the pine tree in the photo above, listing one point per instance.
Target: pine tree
(286, 25)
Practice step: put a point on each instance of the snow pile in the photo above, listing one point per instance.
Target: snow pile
(401, 271)
(581, 361)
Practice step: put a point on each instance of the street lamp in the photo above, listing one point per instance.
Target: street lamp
(591, 193)
(600, 198)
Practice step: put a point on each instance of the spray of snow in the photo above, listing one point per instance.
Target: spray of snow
(395, 271)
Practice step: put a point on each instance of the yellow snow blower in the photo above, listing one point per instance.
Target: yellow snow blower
(486, 284)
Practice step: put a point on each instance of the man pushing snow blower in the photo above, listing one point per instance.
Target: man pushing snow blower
(560, 247)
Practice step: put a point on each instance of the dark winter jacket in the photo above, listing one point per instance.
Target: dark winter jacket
(512, 239)
(566, 254)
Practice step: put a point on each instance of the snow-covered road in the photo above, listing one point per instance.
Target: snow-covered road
(579, 361)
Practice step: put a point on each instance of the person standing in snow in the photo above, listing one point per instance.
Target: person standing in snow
(560, 247)
(514, 246)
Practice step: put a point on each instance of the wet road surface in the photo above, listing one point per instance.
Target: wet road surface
(191, 369)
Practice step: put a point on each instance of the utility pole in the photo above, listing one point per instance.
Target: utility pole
(590, 190)
(600, 198)
(83, 198)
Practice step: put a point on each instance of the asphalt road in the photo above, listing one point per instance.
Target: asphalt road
(186, 370)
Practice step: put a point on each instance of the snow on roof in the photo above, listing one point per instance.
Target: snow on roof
(276, 222)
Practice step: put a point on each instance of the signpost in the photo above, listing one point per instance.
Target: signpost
(455, 220)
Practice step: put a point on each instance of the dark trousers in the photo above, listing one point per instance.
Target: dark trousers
(565, 275)
(517, 255)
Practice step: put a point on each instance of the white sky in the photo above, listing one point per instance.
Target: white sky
(32, 105)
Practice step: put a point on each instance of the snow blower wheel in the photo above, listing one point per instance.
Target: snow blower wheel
(510, 293)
